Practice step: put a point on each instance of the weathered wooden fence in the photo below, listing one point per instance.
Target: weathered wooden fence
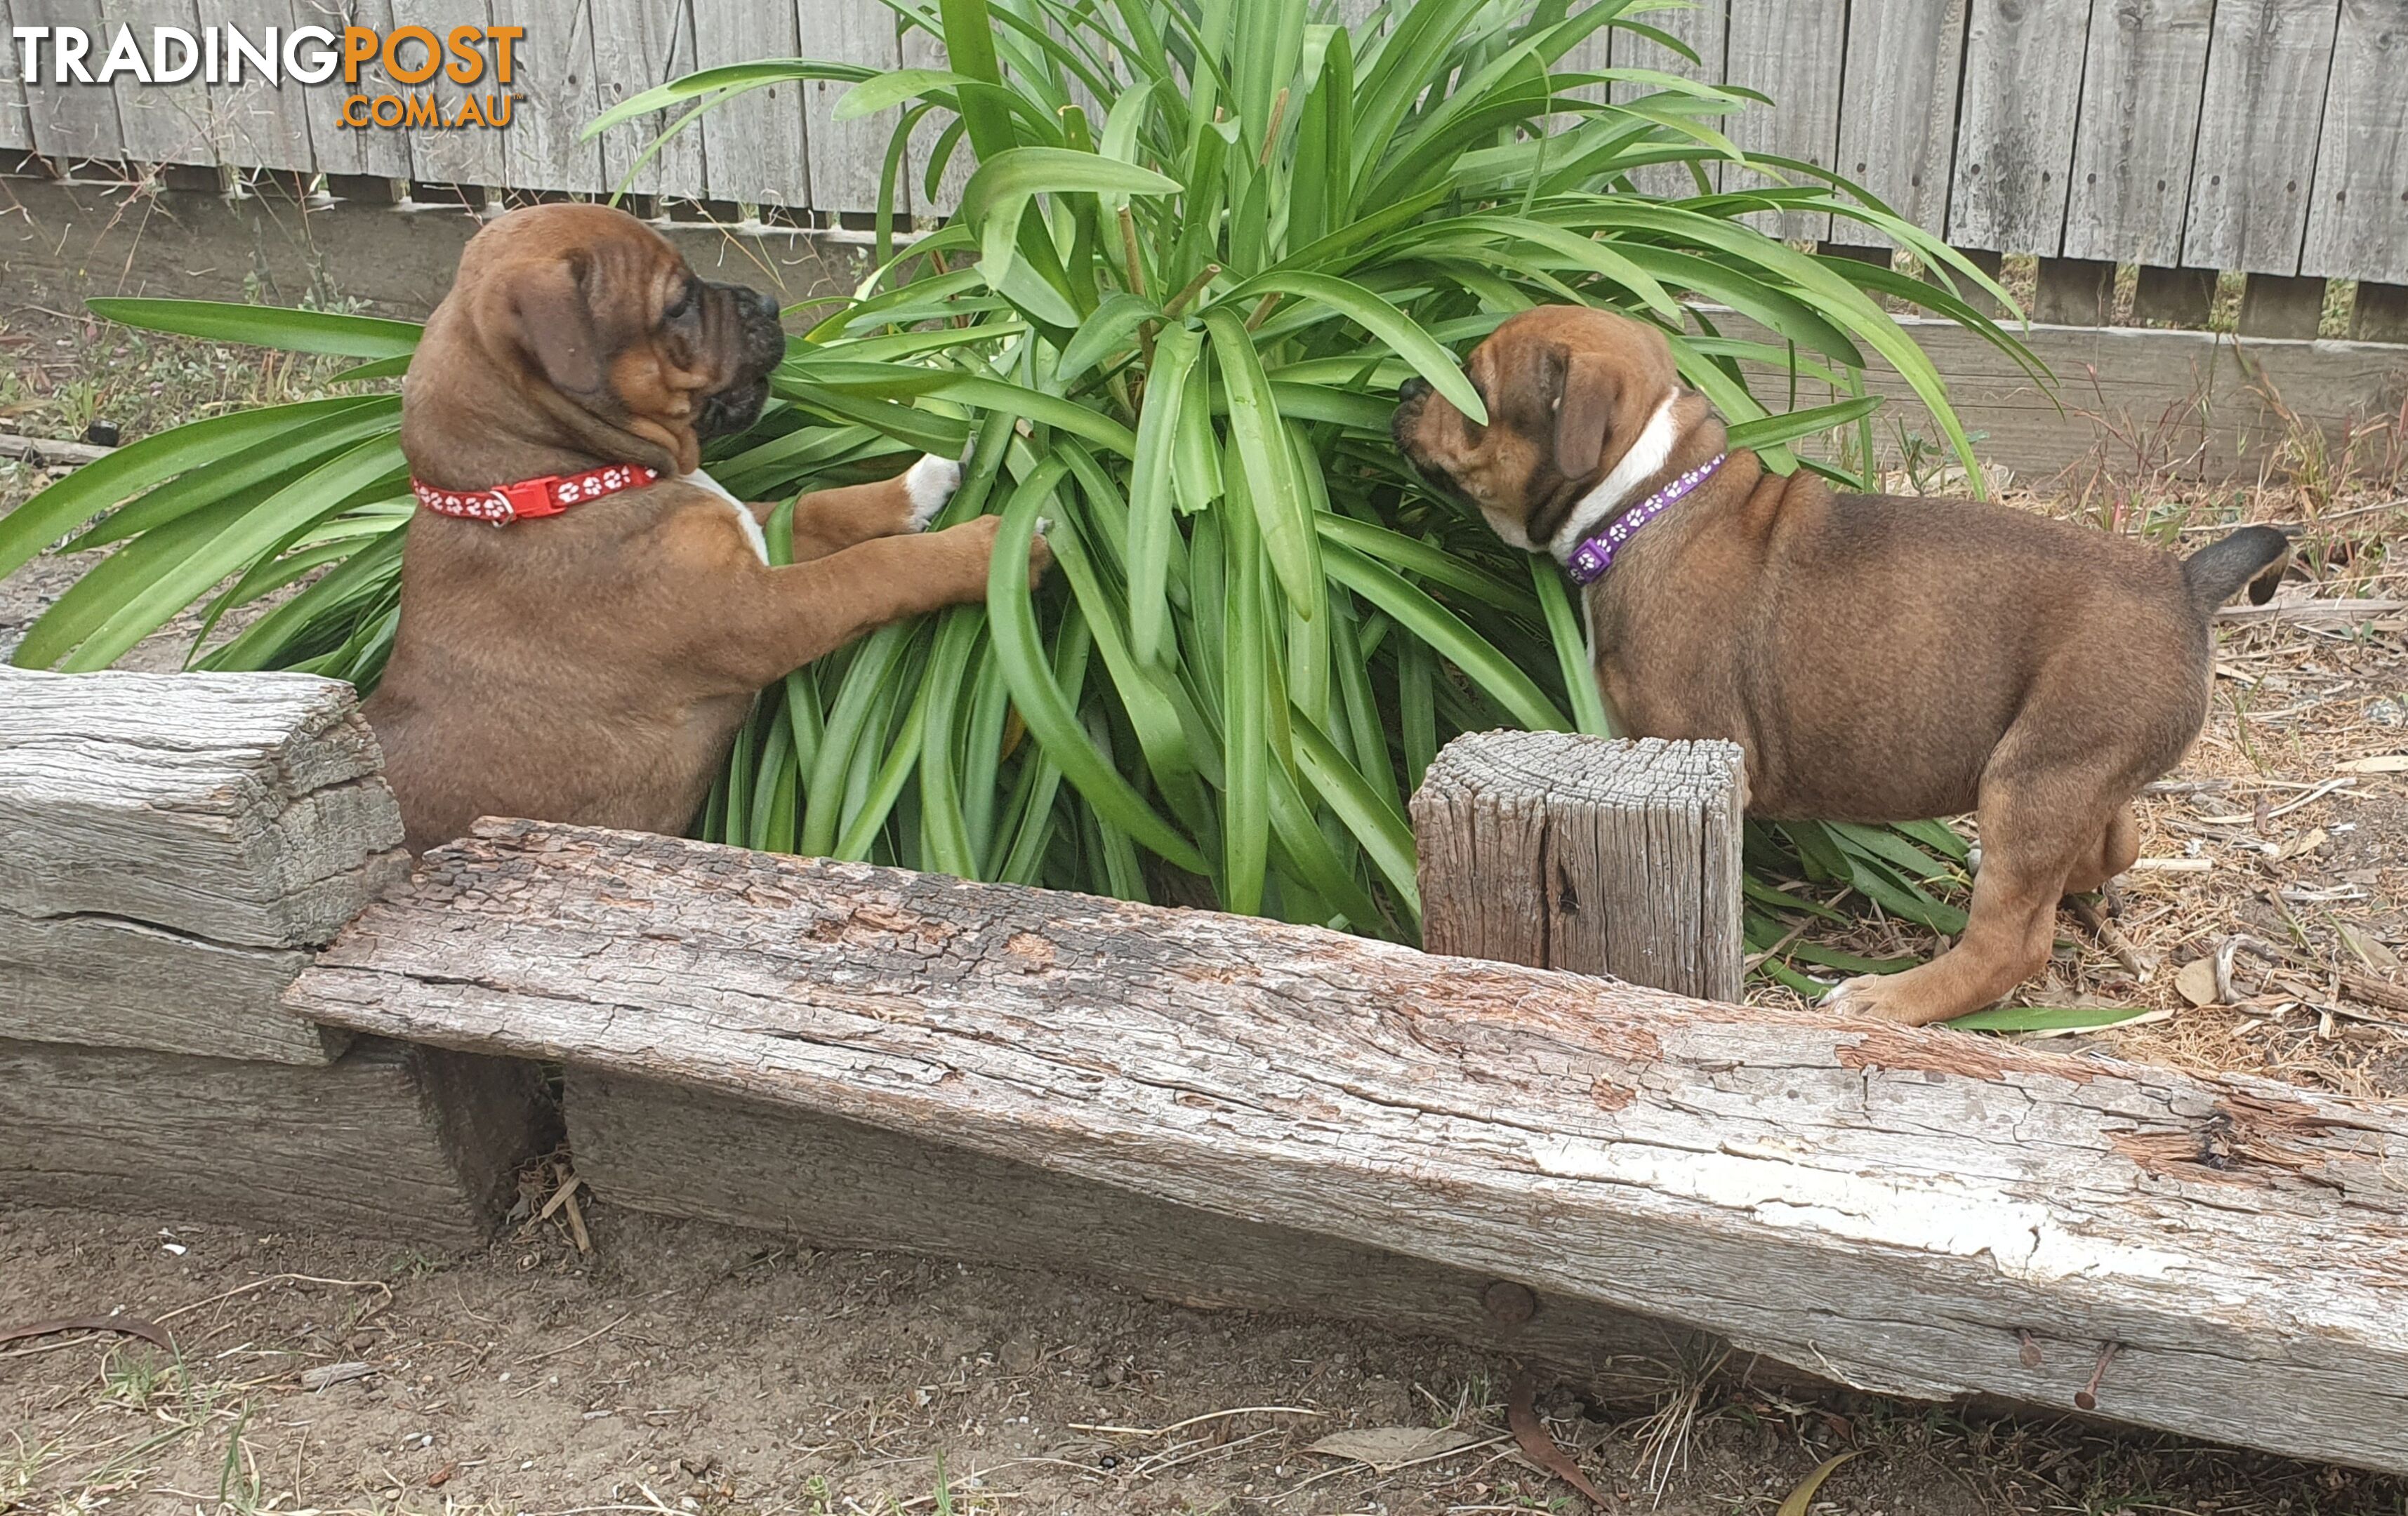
(2188, 136)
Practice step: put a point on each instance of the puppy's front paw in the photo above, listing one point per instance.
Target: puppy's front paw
(929, 483)
(1881, 997)
(1041, 553)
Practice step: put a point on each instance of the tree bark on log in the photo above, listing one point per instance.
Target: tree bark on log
(174, 841)
(97, 979)
(1912, 1211)
(174, 845)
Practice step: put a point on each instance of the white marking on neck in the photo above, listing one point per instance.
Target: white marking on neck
(744, 516)
(1644, 460)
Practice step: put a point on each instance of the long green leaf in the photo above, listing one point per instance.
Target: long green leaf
(1271, 485)
(1401, 332)
(1012, 621)
(265, 326)
(102, 484)
(1445, 632)
(1153, 493)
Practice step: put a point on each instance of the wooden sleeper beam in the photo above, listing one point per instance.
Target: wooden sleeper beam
(1917, 1212)
(175, 845)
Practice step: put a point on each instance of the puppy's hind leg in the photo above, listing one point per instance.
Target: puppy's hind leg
(2116, 850)
(2031, 847)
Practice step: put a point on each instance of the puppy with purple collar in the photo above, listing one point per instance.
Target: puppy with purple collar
(1878, 658)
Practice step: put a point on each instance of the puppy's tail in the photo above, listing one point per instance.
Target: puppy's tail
(2255, 556)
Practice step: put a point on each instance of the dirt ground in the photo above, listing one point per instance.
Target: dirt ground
(689, 1368)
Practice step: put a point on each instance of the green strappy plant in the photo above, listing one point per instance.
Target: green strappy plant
(1199, 245)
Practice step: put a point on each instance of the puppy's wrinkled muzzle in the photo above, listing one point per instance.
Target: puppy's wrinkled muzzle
(761, 346)
(1413, 398)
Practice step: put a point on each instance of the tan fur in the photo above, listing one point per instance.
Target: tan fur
(593, 667)
(1878, 658)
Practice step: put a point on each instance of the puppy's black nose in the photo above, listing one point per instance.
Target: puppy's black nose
(1414, 389)
(755, 303)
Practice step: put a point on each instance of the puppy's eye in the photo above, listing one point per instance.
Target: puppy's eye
(682, 305)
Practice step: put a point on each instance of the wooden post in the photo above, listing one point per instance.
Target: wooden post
(1915, 1211)
(176, 846)
(2381, 314)
(2275, 305)
(2181, 297)
(2075, 292)
(1596, 856)
(247, 809)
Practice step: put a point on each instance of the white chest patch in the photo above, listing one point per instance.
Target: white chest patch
(1642, 461)
(743, 512)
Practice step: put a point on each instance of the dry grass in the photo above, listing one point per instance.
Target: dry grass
(61, 372)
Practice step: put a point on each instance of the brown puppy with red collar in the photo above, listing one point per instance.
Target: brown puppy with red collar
(585, 615)
(1879, 659)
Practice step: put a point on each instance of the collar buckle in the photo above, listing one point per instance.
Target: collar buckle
(530, 498)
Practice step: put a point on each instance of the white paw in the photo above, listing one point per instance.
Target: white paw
(1866, 995)
(1973, 859)
(929, 483)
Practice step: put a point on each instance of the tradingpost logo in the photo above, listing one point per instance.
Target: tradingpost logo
(440, 75)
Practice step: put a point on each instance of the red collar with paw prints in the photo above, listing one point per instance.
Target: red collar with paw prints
(526, 499)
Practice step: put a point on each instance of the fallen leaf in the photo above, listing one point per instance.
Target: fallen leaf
(1387, 1447)
(2195, 982)
(2300, 847)
(1803, 1496)
(2371, 952)
(132, 1326)
(2385, 762)
(2124, 1021)
(320, 1377)
(2047, 1018)
(1522, 1417)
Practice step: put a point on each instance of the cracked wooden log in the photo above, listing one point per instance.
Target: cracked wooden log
(1599, 856)
(1917, 1212)
(676, 1150)
(415, 1146)
(170, 848)
(171, 841)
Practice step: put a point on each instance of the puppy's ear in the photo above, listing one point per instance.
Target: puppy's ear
(1584, 409)
(545, 305)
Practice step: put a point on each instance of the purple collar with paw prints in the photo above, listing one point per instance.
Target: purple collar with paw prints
(1595, 555)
